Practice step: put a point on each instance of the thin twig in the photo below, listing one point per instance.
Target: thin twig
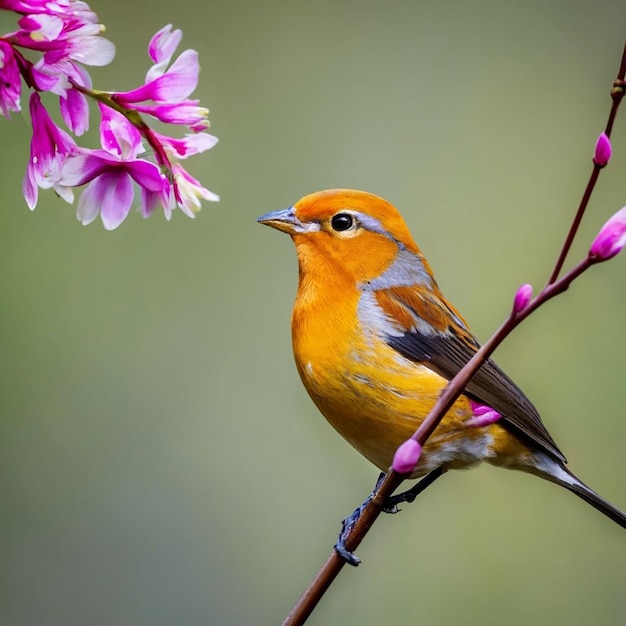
(617, 93)
(374, 507)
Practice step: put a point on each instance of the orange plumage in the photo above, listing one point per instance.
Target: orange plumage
(375, 342)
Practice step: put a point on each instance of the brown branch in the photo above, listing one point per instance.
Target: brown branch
(374, 506)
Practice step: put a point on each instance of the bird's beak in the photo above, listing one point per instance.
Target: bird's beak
(285, 220)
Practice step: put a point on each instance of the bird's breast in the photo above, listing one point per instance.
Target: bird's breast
(372, 395)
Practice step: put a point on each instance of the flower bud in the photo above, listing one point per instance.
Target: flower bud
(602, 153)
(522, 298)
(611, 238)
(483, 415)
(406, 457)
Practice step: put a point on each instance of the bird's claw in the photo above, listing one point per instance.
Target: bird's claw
(346, 527)
(346, 555)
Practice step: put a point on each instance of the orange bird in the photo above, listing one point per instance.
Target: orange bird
(375, 343)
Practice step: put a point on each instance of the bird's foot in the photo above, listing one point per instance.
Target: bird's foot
(391, 505)
(346, 528)
(347, 525)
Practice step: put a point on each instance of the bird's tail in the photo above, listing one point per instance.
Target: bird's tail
(556, 472)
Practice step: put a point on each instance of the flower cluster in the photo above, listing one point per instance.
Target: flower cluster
(65, 36)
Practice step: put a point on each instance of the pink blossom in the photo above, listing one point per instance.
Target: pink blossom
(189, 145)
(67, 35)
(161, 49)
(81, 42)
(21, 6)
(174, 85)
(42, 26)
(111, 172)
(74, 105)
(10, 81)
(63, 8)
(188, 191)
(611, 238)
(406, 457)
(49, 148)
(75, 111)
(186, 113)
(602, 152)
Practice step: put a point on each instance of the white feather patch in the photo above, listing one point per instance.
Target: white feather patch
(547, 465)
(374, 320)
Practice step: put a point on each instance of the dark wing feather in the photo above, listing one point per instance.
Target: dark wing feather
(447, 350)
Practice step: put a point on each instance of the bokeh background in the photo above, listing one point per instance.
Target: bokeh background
(160, 462)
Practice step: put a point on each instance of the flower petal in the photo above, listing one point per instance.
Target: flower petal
(111, 195)
(187, 113)
(118, 136)
(89, 202)
(118, 199)
(75, 111)
(91, 50)
(29, 188)
(161, 48)
(189, 144)
(83, 168)
(147, 175)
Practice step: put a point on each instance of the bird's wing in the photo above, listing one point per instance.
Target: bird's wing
(440, 339)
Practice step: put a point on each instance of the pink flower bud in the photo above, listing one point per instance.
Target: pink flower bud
(406, 457)
(522, 298)
(602, 153)
(611, 238)
(483, 415)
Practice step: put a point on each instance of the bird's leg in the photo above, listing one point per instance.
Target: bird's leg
(391, 506)
(348, 523)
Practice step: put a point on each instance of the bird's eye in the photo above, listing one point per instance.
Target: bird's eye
(342, 221)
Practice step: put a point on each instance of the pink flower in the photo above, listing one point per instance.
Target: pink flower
(62, 61)
(522, 298)
(63, 8)
(168, 89)
(10, 81)
(161, 49)
(189, 145)
(406, 457)
(42, 26)
(173, 85)
(602, 152)
(611, 238)
(67, 33)
(111, 172)
(186, 113)
(188, 191)
(49, 148)
(75, 111)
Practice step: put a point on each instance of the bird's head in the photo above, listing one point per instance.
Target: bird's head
(348, 232)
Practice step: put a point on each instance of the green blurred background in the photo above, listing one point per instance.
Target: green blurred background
(160, 462)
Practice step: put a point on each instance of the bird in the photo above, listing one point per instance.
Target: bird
(375, 342)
